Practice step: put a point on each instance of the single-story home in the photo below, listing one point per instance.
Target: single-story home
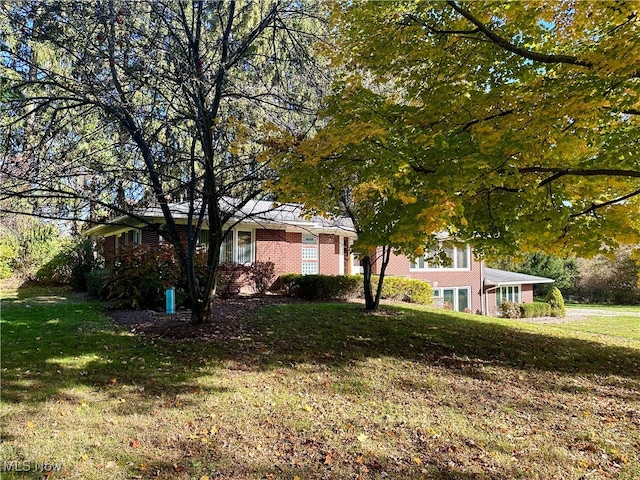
(295, 243)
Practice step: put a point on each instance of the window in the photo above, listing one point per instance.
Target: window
(309, 268)
(510, 293)
(245, 247)
(458, 297)
(309, 254)
(136, 236)
(309, 239)
(459, 258)
(203, 239)
(237, 247)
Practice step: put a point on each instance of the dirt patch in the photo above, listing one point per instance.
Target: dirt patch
(229, 320)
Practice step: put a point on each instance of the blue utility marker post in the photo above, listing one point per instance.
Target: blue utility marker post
(170, 295)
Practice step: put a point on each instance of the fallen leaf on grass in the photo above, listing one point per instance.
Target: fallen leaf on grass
(134, 443)
(417, 460)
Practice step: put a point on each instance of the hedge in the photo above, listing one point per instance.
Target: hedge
(319, 287)
(535, 309)
(406, 290)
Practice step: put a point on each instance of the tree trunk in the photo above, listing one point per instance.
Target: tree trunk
(372, 302)
(386, 255)
(203, 290)
(369, 300)
(202, 311)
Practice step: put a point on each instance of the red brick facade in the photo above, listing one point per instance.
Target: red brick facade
(441, 278)
(285, 250)
(282, 248)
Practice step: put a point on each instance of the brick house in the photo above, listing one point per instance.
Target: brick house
(295, 244)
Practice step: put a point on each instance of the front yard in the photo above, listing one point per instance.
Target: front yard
(313, 391)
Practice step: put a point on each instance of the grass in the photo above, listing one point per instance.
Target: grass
(317, 391)
(603, 306)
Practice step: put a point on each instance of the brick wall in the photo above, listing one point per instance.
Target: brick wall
(282, 248)
(399, 265)
(526, 293)
(329, 258)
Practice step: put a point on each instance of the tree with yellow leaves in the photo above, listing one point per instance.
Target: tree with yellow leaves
(513, 124)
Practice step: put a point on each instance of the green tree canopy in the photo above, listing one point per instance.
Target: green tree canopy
(515, 124)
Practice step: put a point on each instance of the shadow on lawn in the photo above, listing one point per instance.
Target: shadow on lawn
(336, 335)
(50, 346)
(46, 351)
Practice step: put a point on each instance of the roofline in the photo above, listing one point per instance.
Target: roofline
(113, 228)
(525, 282)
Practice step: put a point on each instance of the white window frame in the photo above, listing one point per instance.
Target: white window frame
(413, 266)
(234, 245)
(309, 265)
(456, 296)
(515, 294)
(136, 236)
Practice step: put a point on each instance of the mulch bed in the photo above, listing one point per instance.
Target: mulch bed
(229, 320)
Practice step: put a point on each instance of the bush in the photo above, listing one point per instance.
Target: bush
(320, 287)
(535, 309)
(261, 275)
(9, 252)
(406, 290)
(141, 274)
(554, 298)
(509, 309)
(71, 265)
(402, 289)
(231, 278)
(95, 282)
(287, 283)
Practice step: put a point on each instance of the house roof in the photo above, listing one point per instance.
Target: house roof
(495, 277)
(260, 213)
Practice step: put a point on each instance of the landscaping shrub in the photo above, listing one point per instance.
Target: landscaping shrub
(554, 298)
(287, 283)
(509, 309)
(95, 282)
(402, 289)
(141, 274)
(320, 287)
(535, 309)
(71, 265)
(26, 244)
(406, 290)
(261, 275)
(231, 278)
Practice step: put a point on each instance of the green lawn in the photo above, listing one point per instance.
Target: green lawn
(317, 391)
(602, 306)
